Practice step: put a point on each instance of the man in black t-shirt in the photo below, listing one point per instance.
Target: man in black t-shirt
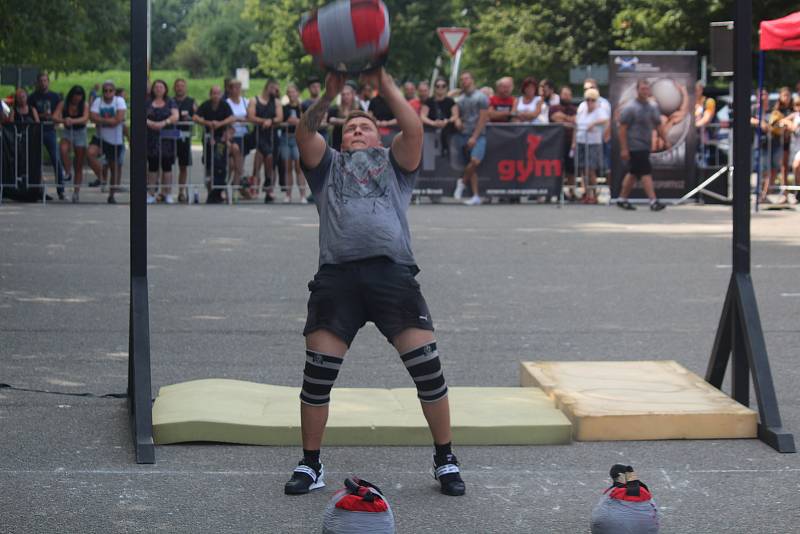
(384, 117)
(186, 110)
(216, 115)
(45, 102)
(440, 112)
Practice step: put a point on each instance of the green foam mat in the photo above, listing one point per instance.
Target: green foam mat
(234, 411)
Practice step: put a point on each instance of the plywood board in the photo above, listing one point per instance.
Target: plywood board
(639, 400)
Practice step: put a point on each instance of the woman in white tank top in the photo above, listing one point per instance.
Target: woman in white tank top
(529, 106)
(238, 105)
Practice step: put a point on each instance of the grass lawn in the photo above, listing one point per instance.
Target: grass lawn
(197, 87)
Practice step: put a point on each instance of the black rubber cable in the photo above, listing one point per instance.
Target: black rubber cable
(84, 394)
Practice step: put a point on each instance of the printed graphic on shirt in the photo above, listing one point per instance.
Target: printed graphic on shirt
(364, 176)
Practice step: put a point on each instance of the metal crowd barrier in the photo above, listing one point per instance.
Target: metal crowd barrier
(582, 167)
(774, 140)
(18, 135)
(224, 175)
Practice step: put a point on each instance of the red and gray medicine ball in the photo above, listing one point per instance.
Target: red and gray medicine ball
(348, 36)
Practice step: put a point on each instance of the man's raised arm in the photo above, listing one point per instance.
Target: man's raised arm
(407, 145)
(311, 144)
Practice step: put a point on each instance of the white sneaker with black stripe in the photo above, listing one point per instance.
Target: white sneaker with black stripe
(304, 479)
(447, 472)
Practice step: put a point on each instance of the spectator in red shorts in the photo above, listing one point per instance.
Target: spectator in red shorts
(502, 104)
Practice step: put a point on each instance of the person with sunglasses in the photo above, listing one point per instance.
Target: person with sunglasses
(440, 112)
(108, 113)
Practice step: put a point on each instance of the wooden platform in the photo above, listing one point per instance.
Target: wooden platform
(233, 411)
(641, 400)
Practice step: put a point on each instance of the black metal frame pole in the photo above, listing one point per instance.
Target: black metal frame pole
(739, 333)
(139, 389)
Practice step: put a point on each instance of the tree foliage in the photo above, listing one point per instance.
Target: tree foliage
(64, 35)
(217, 39)
(169, 23)
(543, 38)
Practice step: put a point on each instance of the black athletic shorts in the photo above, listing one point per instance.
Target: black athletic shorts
(165, 162)
(184, 147)
(111, 152)
(347, 295)
(639, 164)
(263, 141)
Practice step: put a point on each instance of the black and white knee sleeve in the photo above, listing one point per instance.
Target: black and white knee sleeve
(319, 375)
(425, 368)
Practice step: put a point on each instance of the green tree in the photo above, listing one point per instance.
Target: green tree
(169, 22)
(280, 54)
(218, 39)
(65, 35)
(413, 50)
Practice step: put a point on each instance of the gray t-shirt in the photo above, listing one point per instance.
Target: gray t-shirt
(641, 118)
(469, 108)
(362, 197)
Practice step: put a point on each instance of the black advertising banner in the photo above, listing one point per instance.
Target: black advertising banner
(672, 76)
(521, 159)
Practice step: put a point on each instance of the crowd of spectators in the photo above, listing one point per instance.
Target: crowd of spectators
(234, 125)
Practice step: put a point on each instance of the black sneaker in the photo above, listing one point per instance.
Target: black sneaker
(657, 206)
(624, 204)
(304, 479)
(111, 200)
(446, 471)
(95, 183)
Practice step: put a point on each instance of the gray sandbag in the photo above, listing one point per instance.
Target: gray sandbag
(627, 507)
(613, 516)
(358, 508)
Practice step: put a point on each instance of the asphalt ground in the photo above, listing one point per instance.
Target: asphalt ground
(504, 283)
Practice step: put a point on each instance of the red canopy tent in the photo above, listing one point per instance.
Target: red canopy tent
(781, 34)
(778, 34)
